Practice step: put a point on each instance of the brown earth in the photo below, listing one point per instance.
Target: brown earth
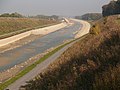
(12, 26)
(90, 64)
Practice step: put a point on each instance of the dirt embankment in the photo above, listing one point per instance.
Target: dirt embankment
(90, 64)
(8, 25)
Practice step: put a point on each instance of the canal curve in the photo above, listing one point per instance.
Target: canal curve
(40, 45)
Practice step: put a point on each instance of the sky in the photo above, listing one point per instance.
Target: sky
(52, 7)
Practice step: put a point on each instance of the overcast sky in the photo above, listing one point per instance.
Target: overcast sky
(50, 7)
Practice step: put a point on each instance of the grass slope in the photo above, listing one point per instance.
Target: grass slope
(90, 64)
(10, 26)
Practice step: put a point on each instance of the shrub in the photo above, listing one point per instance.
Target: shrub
(95, 29)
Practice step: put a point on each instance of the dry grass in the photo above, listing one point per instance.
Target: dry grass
(90, 64)
(8, 25)
(118, 21)
(95, 29)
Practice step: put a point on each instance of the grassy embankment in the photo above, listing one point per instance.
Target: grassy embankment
(12, 26)
(91, 64)
(29, 68)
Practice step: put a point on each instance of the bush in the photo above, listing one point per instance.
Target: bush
(17, 15)
(95, 29)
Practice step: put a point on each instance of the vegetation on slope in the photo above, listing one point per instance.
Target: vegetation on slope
(112, 8)
(53, 17)
(90, 64)
(90, 16)
(18, 25)
(17, 15)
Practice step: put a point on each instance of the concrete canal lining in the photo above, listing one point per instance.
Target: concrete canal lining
(40, 31)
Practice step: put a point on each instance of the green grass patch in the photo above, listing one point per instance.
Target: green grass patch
(29, 68)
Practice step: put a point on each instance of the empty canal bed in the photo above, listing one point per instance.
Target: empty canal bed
(20, 54)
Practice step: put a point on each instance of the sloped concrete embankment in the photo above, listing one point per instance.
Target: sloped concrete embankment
(84, 29)
(41, 31)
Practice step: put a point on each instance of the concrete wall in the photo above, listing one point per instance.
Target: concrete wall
(14, 38)
(84, 29)
(42, 31)
(48, 30)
